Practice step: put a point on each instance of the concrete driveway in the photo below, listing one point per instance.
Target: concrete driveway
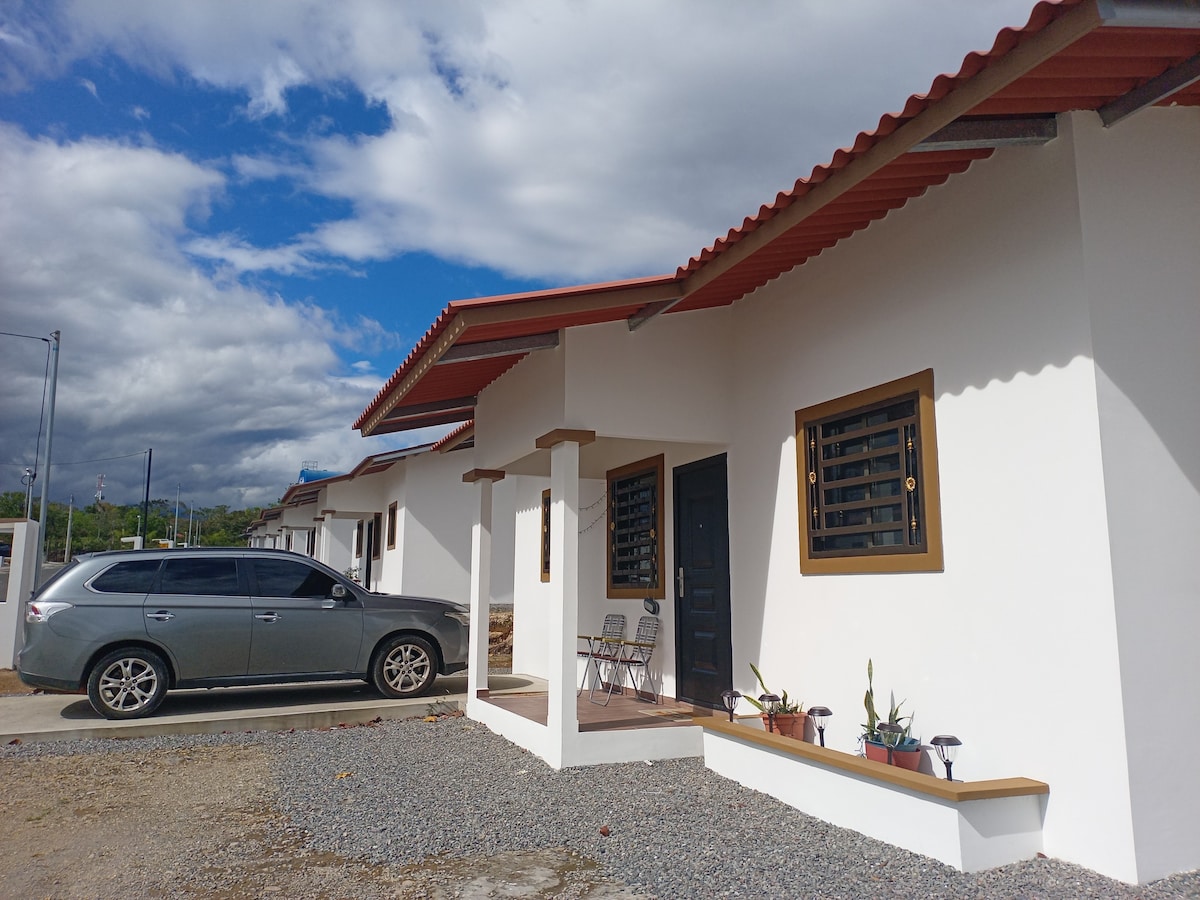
(52, 717)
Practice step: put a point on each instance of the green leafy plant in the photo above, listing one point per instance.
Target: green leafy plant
(785, 706)
(871, 726)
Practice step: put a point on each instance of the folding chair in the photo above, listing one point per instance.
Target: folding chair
(605, 648)
(636, 654)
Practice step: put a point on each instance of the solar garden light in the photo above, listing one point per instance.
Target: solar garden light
(947, 748)
(891, 735)
(819, 714)
(769, 701)
(730, 699)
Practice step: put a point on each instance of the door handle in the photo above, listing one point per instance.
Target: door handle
(161, 616)
(268, 617)
(679, 577)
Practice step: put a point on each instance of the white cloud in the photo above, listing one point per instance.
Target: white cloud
(567, 141)
(230, 387)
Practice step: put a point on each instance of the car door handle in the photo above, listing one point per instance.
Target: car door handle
(161, 616)
(268, 617)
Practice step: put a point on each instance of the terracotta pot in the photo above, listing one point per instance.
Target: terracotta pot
(905, 758)
(787, 724)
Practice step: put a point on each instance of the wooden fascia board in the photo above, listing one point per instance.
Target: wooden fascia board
(515, 311)
(1060, 33)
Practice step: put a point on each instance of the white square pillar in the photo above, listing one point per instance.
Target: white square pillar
(481, 583)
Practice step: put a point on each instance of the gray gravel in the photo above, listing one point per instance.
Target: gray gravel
(400, 792)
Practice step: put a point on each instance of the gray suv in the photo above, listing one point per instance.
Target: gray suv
(129, 625)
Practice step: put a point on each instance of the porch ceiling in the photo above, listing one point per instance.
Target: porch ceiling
(1111, 56)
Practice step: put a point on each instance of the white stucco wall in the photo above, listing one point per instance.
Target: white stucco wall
(437, 514)
(508, 418)
(980, 281)
(1140, 203)
(668, 380)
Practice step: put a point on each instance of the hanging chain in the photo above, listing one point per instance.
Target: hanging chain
(603, 512)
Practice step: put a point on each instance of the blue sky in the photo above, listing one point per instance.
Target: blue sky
(242, 216)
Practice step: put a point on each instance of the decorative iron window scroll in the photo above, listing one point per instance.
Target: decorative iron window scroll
(868, 480)
(545, 535)
(635, 524)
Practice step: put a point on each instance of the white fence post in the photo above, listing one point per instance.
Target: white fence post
(21, 570)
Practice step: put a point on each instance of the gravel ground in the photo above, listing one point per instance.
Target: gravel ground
(447, 809)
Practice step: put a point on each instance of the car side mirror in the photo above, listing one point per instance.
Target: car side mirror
(339, 592)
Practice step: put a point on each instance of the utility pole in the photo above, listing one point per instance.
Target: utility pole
(146, 497)
(175, 533)
(70, 518)
(42, 523)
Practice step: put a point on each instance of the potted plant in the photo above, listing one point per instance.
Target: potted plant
(906, 749)
(787, 716)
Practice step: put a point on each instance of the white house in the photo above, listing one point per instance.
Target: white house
(929, 407)
(399, 521)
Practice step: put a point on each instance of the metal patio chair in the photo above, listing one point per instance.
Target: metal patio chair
(636, 654)
(602, 648)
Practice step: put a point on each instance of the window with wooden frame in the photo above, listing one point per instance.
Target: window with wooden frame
(635, 527)
(393, 512)
(376, 535)
(546, 535)
(358, 539)
(868, 493)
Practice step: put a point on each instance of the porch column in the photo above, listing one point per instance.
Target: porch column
(562, 717)
(481, 582)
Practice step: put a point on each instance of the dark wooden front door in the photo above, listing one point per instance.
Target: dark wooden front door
(702, 615)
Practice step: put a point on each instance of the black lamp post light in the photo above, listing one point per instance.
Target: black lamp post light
(769, 701)
(819, 714)
(730, 699)
(947, 748)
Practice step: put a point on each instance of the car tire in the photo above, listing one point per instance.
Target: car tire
(128, 683)
(405, 666)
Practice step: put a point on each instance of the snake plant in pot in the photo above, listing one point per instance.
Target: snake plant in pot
(781, 715)
(906, 749)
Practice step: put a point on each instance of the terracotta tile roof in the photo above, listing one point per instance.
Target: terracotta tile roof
(1069, 55)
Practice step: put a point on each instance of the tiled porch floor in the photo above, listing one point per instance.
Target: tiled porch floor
(624, 711)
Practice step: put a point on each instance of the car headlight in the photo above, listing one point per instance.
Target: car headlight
(461, 616)
(41, 610)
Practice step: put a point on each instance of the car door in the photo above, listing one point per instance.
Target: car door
(200, 612)
(298, 626)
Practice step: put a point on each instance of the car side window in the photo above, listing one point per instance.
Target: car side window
(132, 577)
(200, 575)
(288, 578)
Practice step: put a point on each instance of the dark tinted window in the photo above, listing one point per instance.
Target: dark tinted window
(211, 575)
(132, 577)
(288, 578)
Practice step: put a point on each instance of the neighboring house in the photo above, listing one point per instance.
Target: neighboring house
(932, 406)
(393, 522)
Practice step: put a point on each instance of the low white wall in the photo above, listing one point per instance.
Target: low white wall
(970, 835)
(21, 570)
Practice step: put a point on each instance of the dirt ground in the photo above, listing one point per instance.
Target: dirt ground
(202, 822)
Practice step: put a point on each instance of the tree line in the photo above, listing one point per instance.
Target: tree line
(100, 525)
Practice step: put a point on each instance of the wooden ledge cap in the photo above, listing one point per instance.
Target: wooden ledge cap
(483, 475)
(954, 791)
(580, 436)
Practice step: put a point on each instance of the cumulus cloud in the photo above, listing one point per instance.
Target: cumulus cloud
(574, 141)
(231, 387)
